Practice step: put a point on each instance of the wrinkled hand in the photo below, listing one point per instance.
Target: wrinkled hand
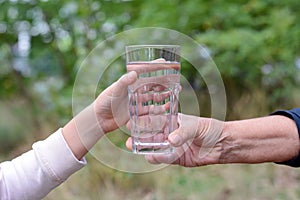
(111, 106)
(197, 141)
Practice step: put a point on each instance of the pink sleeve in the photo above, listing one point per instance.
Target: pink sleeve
(35, 173)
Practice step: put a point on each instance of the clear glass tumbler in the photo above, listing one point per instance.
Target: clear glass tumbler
(153, 98)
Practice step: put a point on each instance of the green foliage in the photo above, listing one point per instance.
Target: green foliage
(256, 36)
(9, 139)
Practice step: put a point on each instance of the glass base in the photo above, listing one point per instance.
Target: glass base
(152, 148)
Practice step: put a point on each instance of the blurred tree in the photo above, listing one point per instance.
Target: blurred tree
(256, 44)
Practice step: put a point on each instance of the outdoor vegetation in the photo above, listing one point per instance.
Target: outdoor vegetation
(255, 45)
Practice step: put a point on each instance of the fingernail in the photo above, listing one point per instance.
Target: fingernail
(128, 144)
(174, 138)
(131, 74)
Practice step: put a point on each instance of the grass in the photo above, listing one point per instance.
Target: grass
(264, 181)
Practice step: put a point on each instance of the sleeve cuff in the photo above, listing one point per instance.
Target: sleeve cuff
(56, 158)
(293, 114)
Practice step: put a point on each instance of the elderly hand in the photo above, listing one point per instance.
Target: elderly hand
(202, 141)
(197, 141)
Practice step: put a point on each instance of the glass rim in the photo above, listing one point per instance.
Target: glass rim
(152, 46)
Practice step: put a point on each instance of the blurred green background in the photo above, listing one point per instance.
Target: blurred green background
(255, 45)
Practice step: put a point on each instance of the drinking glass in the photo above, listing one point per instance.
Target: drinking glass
(153, 98)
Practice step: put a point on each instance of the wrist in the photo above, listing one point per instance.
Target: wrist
(230, 145)
(215, 140)
(73, 140)
(82, 132)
